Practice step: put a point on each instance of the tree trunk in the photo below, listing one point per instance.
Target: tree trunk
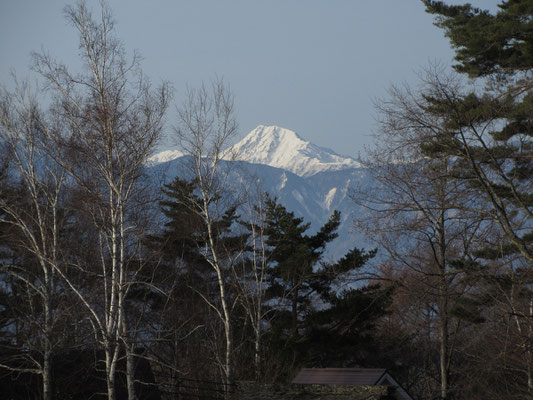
(443, 307)
(47, 353)
(529, 354)
(228, 362)
(443, 334)
(110, 358)
(294, 308)
(257, 345)
(130, 374)
(47, 350)
(129, 349)
(47, 379)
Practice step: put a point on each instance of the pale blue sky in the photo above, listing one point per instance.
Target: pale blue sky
(307, 65)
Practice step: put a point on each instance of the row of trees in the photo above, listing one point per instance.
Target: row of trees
(102, 296)
(72, 204)
(111, 285)
(453, 208)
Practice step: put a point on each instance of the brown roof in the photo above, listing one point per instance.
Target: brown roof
(339, 376)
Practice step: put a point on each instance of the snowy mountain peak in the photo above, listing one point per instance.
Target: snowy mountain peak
(277, 147)
(282, 148)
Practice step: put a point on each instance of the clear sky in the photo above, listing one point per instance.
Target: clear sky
(312, 66)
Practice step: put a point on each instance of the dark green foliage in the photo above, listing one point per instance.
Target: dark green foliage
(485, 43)
(294, 255)
(344, 332)
(185, 232)
(490, 134)
(328, 320)
(468, 309)
(182, 243)
(488, 46)
(188, 325)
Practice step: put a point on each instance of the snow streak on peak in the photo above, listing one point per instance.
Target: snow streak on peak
(283, 148)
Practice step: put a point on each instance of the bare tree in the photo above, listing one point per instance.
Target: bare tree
(33, 218)
(421, 216)
(113, 119)
(206, 125)
(251, 274)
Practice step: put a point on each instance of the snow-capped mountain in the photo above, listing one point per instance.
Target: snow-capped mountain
(283, 148)
(307, 179)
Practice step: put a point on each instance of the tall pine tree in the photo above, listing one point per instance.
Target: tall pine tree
(325, 319)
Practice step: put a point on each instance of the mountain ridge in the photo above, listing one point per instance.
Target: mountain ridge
(280, 148)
